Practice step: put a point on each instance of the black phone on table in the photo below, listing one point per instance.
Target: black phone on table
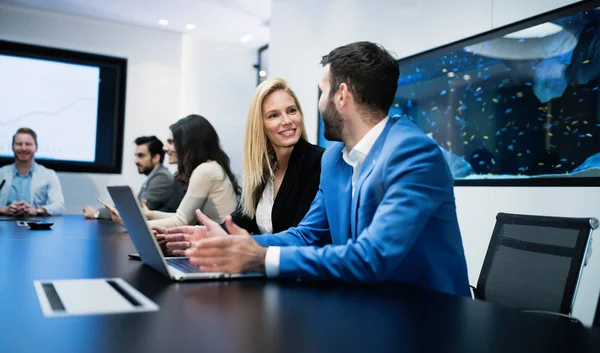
(135, 256)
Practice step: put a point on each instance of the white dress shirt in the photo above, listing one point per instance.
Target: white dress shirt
(264, 209)
(355, 159)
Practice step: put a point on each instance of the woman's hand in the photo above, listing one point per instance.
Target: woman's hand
(147, 212)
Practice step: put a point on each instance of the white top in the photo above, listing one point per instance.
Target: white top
(265, 208)
(209, 190)
(355, 159)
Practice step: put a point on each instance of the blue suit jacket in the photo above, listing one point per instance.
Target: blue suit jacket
(400, 225)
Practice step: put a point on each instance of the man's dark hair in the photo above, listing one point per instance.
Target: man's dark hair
(369, 70)
(196, 141)
(28, 131)
(155, 146)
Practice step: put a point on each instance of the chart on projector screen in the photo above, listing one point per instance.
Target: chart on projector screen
(59, 101)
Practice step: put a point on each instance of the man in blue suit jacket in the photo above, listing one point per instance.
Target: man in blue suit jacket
(385, 208)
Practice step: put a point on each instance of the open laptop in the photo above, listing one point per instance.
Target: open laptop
(176, 268)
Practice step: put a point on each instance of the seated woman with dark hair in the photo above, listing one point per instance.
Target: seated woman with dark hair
(281, 168)
(204, 172)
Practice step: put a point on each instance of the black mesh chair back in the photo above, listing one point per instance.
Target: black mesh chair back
(596, 322)
(535, 262)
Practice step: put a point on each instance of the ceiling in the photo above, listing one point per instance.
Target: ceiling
(220, 20)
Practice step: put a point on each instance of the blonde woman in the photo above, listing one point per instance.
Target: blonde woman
(281, 168)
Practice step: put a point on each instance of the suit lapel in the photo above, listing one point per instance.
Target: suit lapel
(5, 191)
(344, 190)
(145, 183)
(139, 196)
(32, 184)
(290, 178)
(367, 167)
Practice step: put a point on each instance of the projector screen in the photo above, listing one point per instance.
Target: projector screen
(73, 101)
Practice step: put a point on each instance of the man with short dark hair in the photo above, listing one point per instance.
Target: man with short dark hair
(158, 188)
(385, 209)
(29, 189)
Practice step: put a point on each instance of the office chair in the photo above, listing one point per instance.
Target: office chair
(596, 322)
(534, 263)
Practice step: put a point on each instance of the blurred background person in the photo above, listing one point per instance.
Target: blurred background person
(29, 189)
(158, 189)
(204, 172)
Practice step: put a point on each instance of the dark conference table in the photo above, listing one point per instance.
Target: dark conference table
(251, 315)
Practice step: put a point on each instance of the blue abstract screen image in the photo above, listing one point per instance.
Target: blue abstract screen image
(516, 106)
(522, 105)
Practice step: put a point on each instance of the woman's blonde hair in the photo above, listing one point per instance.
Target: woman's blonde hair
(259, 155)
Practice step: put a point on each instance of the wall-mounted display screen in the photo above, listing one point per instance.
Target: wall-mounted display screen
(73, 101)
(518, 105)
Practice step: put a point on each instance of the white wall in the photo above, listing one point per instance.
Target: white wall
(218, 83)
(304, 30)
(169, 76)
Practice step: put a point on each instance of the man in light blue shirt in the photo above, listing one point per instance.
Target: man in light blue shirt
(29, 189)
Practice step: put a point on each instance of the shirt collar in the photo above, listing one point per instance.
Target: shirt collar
(16, 172)
(363, 147)
(153, 171)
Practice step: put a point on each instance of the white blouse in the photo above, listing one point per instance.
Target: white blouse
(264, 208)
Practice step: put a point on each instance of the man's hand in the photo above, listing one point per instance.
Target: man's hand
(28, 209)
(5, 210)
(16, 208)
(22, 208)
(114, 215)
(89, 212)
(180, 238)
(234, 253)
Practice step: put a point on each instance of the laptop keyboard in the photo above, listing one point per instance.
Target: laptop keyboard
(183, 265)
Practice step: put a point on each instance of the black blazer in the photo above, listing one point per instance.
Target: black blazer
(296, 193)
